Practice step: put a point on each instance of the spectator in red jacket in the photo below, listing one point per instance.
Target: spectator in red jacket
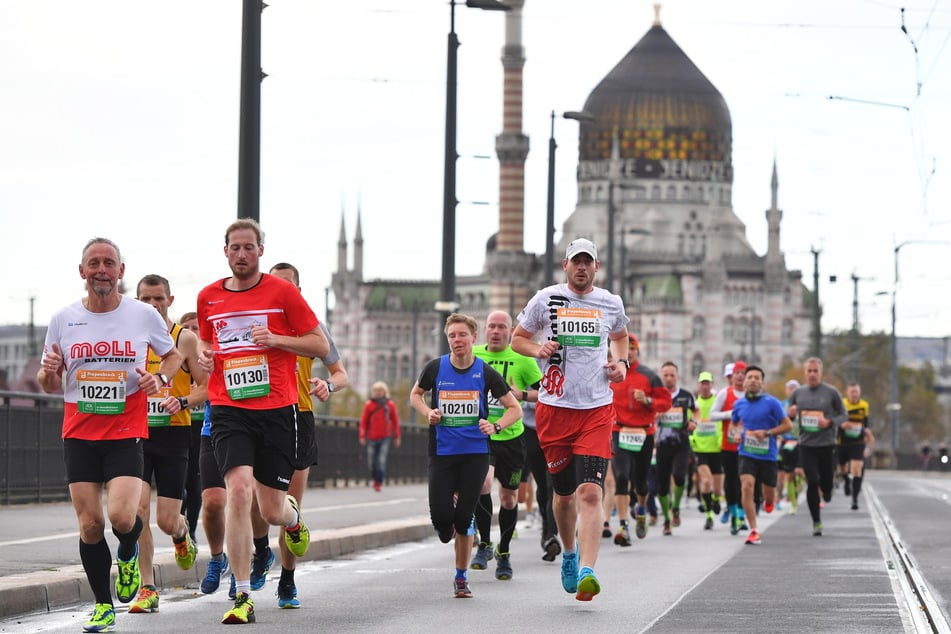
(379, 424)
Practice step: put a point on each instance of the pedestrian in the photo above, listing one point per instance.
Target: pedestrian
(253, 326)
(818, 408)
(758, 418)
(459, 385)
(379, 427)
(578, 326)
(95, 352)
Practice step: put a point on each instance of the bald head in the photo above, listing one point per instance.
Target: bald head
(498, 330)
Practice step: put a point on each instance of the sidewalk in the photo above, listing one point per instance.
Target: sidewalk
(342, 521)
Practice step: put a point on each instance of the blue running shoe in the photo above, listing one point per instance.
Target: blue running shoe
(569, 572)
(725, 517)
(287, 596)
(216, 570)
(260, 566)
(588, 585)
(232, 589)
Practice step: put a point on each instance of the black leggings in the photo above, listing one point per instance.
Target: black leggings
(460, 475)
(672, 460)
(630, 468)
(535, 458)
(731, 477)
(818, 463)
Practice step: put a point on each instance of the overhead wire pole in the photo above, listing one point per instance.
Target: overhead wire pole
(249, 135)
(816, 340)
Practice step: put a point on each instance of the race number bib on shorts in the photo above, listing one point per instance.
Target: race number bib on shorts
(460, 408)
(579, 327)
(708, 428)
(158, 417)
(756, 446)
(672, 418)
(809, 420)
(631, 438)
(247, 377)
(853, 433)
(101, 391)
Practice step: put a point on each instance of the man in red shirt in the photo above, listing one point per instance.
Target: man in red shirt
(252, 328)
(637, 401)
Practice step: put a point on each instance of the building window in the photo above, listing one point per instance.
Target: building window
(652, 345)
(787, 296)
(757, 330)
(787, 331)
(655, 192)
(728, 333)
(696, 365)
(671, 192)
(698, 328)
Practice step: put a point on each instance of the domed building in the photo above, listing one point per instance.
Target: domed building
(655, 177)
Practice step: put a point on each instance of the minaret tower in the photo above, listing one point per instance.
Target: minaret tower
(358, 248)
(775, 262)
(509, 265)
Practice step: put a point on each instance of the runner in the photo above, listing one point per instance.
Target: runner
(791, 473)
(852, 436)
(705, 441)
(673, 445)
(722, 408)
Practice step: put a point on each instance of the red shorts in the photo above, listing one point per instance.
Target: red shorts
(563, 433)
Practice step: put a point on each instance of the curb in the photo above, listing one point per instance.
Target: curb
(64, 587)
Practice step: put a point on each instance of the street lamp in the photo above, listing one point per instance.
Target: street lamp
(447, 290)
(612, 177)
(550, 219)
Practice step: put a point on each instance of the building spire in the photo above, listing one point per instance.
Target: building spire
(342, 244)
(358, 245)
(657, 6)
(774, 185)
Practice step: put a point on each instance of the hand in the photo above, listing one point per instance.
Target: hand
(148, 383)
(363, 442)
(172, 405)
(434, 416)
(758, 434)
(640, 396)
(486, 427)
(262, 336)
(53, 359)
(792, 411)
(615, 373)
(396, 442)
(320, 390)
(547, 349)
(824, 423)
(206, 360)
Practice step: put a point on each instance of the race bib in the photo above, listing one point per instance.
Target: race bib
(706, 429)
(672, 418)
(579, 327)
(756, 446)
(631, 438)
(789, 445)
(496, 409)
(158, 417)
(853, 432)
(734, 433)
(197, 411)
(460, 408)
(809, 420)
(101, 391)
(247, 377)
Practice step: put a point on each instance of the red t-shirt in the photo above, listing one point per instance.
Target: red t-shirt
(248, 375)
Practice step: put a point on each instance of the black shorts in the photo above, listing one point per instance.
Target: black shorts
(851, 451)
(789, 459)
(766, 471)
(307, 440)
(508, 457)
(266, 440)
(165, 455)
(208, 466)
(102, 460)
(712, 460)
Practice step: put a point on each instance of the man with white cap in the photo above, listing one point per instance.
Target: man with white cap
(578, 325)
(722, 411)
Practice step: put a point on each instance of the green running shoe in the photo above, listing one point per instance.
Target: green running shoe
(102, 619)
(128, 577)
(297, 540)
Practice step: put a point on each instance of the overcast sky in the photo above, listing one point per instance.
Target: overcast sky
(120, 119)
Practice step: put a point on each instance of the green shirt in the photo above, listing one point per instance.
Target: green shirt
(516, 370)
(707, 436)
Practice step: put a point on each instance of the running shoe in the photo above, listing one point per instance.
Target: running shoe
(216, 570)
(817, 529)
(569, 572)
(128, 577)
(753, 538)
(715, 507)
(287, 596)
(606, 531)
(232, 588)
(503, 566)
(242, 612)
(588, 585)
(146, 601)
(623, 537)
(297, 540)
(848, 485)
(676, 518)
(102, 619)
(734, 525)
(855, 506)
(480, 560)
(640, 526)
(260, 566)
(667, 530)
(725, 517)
(769, 507)
(708, 524)
(652, 521)
(552, 548)
(185, 550)
(460, 588)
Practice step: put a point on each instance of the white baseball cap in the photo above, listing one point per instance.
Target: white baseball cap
(581, 245)
(728, 370)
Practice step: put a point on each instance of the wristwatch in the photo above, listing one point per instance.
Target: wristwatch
(331, 387)
(162, 378)
(183, 401)
(626, 362)
(498, 428)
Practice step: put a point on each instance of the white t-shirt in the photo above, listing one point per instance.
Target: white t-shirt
(100, 353)
(574, 377)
